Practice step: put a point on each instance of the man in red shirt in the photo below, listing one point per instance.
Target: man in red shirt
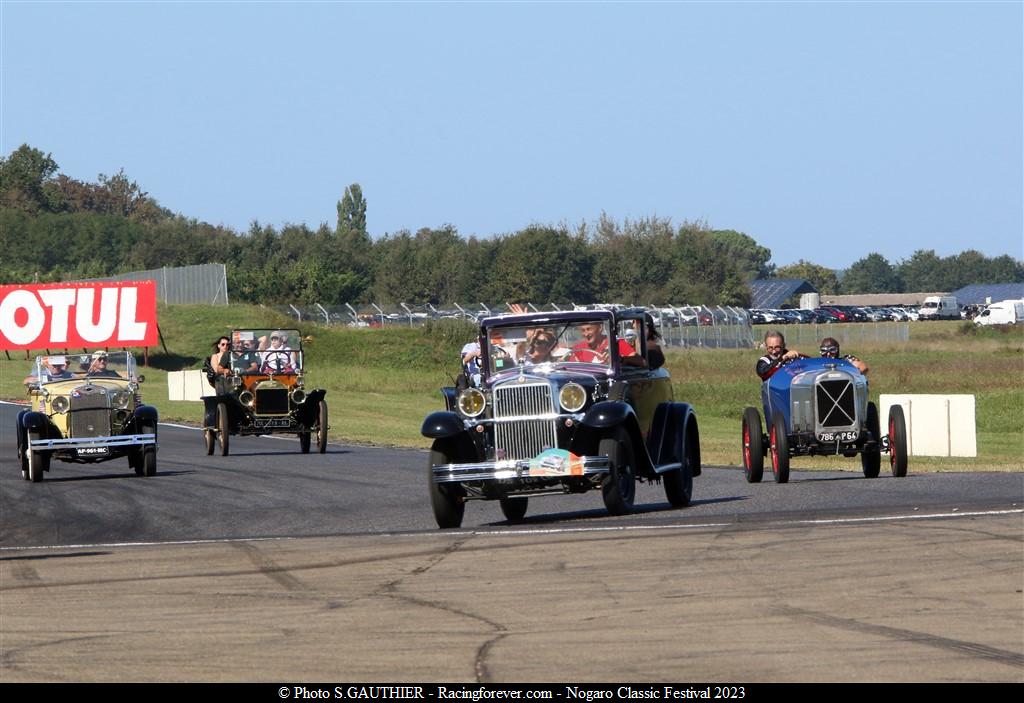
(594, 347)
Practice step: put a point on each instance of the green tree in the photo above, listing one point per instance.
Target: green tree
(750, 257)
(26, 181)
(824, 279)
(924, 271)
(872, 274)
(352, 210)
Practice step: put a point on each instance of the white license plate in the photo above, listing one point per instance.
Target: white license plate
(93, 451)
(837, 436)
(273, 422)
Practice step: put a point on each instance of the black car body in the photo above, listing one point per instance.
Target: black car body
(571, 421)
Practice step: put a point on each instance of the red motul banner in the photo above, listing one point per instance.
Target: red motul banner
(73, 315)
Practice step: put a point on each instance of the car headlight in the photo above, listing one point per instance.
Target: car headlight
(246, 398)
(472, 402)
(572, 397)
(298, 396)
(121, 399)
(60, 404)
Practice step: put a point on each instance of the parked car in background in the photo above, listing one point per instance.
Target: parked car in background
(567, 403)
(1006, 312)
(86, 409)
(940, 307)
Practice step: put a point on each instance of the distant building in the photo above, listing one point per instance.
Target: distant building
(982, 293)
(773, 293)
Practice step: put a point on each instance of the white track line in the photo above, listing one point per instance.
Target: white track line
(542, 532)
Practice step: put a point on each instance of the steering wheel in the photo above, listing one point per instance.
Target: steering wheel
(277, 362)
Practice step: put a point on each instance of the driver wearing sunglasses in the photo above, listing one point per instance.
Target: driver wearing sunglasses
(777, 355)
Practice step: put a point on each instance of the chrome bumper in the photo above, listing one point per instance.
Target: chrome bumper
(518, 469)
(125, 440)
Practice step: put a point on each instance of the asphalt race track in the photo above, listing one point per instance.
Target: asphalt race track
(271, 565)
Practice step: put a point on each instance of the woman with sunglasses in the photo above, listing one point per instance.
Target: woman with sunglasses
(219, 363)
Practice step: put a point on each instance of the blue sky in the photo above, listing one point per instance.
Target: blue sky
(823, 130)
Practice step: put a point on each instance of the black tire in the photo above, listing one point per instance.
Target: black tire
(898, 458)
(871, 459)
(304, 441)
(753, 446)
(619, 487)
(679, 483)
(38, 462)
(223, 429)
(779, 447)
(514, 509)
(321, 429)
(447, 499)
(210, 438)
(146, 466)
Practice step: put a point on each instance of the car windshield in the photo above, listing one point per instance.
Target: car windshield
(99, 364)
(548, 344)
(266, 351)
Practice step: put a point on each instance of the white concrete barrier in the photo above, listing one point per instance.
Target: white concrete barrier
(187, 385)
(937, 425)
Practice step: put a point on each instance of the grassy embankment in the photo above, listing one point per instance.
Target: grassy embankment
(381, 383)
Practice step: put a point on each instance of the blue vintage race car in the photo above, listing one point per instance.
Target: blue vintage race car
(820, 406)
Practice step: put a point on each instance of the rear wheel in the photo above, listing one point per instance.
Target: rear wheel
(779, 444)
(619, 486)
(871, 458)
(321, 429)
(210, 437)
(753, 446)
(38, 462)
(447, 499)
(898, 458)
(679, 483)
(514, 509)
(223, 429)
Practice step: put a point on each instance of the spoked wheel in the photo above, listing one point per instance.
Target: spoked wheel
(304, 442)
(753, 446)
(514, 509)
(38, 462)
(619, 486)
(779, 444)
(210, 438)
(223, 429)
(321, 429)
(447, 499)
(871, 459)
(898, 458)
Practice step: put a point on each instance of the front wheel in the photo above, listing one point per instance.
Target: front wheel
(898, 458)
(304, 441)
(447, 499)
(871, 458)
(321, 429)
(223, 429)
(147, 465)
(619, 487)
(210, 438)
(779, 445)
(753, 446)
(38, 462)
(514, 509)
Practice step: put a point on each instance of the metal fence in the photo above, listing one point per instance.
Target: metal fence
(182, 285)
(680, 325)
(852, 333)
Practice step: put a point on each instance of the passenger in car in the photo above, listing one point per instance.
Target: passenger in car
(777, 355)
(539, 346)
(594, 347)
(55, 369)
(830, 350)
(655, 356)
(246, 360)
(98, 366)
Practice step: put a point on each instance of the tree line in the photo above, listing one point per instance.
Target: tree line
(53, 228)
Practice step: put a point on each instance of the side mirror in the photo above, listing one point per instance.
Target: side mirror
(141, 378)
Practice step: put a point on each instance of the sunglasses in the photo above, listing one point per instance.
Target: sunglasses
(222, 344)
(775, 347)
(829, 351)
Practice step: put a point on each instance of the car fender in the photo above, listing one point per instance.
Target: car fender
(673, 425)
(34, 421)
(601, 418)
(309, 412)
(145, 413)
(442, 424)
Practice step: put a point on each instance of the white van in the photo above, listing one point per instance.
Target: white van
(1006, 312)
(939, 307)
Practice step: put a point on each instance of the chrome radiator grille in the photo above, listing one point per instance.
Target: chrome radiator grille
(272, 401)
(524, 438)
(836, 405)
(89, 414)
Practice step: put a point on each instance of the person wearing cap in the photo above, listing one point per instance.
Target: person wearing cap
(277, 355)
(830, 350)
(55, 368)
(98, 367)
